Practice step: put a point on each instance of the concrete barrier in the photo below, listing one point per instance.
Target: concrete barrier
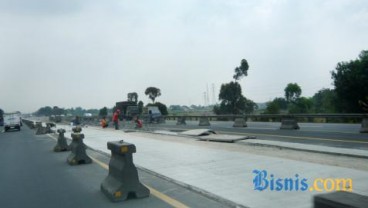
(29, 123)
(181, 121)
(38, 124)
(364, 127)
(44, 129)
(61, 144)
(240, 122)
(40, 129)
(78, 155)
(289, 123)
(122, 181)
(48, 128)
(340, 199)
(203, 121)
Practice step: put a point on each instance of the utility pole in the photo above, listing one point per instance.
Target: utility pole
(213, 94)
(205, 98)
(207, 95)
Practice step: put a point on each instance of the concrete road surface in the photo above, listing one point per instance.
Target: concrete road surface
(324, 134)
(34, 176)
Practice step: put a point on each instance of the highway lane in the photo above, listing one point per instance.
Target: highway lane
(32, 175)
(335, 135)
(326, 134)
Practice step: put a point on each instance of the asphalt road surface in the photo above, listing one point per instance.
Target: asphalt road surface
(327, 134)
(34, 176)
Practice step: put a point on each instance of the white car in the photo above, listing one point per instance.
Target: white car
(12, 121)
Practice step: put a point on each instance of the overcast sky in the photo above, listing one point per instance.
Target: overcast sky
(92, 53)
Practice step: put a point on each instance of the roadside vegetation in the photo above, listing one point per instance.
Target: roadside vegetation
(350, 95)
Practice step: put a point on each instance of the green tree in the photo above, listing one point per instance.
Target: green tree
(242, 70)
(276, 105)
(301, 105)
(79, 111)
(232, 101)
(364, 104)
(57, 111)
(324, 101)
(133, 97)
(292, 92)
(272, 108)
(44, 111)
(250, 106)
(350, 80)
(152, 93)
(281, 102)
(140, 107)
(162, 107)
(103, 112)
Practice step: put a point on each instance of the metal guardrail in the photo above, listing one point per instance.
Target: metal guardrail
(272, 116)
(244, 116)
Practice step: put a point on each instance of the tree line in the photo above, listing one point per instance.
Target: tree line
(151, 92)
(231, 98)
(350, 93)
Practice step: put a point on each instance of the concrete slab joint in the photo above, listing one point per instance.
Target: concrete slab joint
(122, 181)
(78, 155)
(223, 138)
(198, 132)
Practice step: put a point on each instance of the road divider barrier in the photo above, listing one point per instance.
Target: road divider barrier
(61, 144)
(122, 181)
(40, 129)
(364, 127)
(340, 199)
(289, 123)
(38, 124)
(240, 122)
(49, 126)
(29, 123)
(203, 121)
(181, 121)
(78, 155)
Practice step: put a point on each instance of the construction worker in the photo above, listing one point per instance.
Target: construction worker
(115, 119)
(104, 123)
